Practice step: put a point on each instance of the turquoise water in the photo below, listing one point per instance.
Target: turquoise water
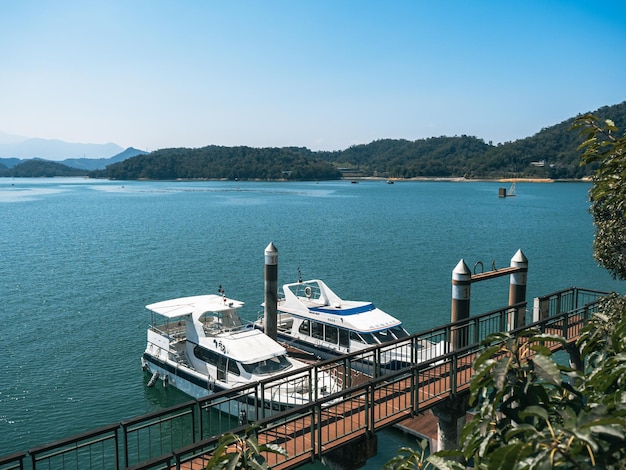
(80, 259)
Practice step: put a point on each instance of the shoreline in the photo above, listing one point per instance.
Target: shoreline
(470, 180)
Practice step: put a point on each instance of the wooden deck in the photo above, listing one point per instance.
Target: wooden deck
(387, 404)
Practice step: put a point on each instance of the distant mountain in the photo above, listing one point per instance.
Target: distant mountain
(101, 163)
(11, 139)
(51, 149)
(84, 164)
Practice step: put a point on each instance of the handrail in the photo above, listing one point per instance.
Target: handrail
(406, 385)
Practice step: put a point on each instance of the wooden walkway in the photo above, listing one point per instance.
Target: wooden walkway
(369, 410)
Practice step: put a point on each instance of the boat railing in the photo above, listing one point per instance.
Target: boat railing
(173, 331)
(306, 290)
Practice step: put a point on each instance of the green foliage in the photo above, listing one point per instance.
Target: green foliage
(605, 148)
(37, 168)
(232, 163)
(243, 452)
(409, 459)
(534, 413)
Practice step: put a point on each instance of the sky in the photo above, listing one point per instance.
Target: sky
(322, 74)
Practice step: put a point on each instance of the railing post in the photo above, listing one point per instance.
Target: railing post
(372, 426)
(196, 409)
(200, 421)
(367, 407)
(318, 410)
(476, 322)
(262, 400)
(126, 458)
(453, 373)
(117, 449)
(414, 390)
(313, 427)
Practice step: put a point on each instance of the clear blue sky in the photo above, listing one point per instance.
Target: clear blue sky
(323, 74)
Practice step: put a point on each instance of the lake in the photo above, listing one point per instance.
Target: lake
(81, 258)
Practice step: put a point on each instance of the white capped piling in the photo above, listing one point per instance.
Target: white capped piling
(461, 284)
(517, 289)
(271, 291)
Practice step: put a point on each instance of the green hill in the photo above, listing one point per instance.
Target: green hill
(551, 153)
(38, 168)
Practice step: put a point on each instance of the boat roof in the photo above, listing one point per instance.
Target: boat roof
(184, 306)
(313, 299)
(247, 346)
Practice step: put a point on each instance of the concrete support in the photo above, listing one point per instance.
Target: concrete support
(450, 415)
(352, 455)
(461, 283)
(270, 319)
(517, 289)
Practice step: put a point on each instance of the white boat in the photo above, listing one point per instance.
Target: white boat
(200, 346)
(312, 318)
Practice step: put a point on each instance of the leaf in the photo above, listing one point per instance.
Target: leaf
(486, 356)
(541, 349)
(520, 429)
(233, 461)
(444, 460)
(547, 370)
(500, 372)
(536, 411)
(505, 457)
(609, 430)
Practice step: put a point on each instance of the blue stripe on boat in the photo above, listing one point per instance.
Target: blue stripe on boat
(348, 311)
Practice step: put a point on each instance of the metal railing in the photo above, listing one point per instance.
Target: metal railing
(373, 398)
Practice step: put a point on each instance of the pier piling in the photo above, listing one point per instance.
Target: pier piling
(461, 283)
(270, 320)
(517, 289)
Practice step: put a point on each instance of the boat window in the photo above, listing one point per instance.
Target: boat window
(206, 355)
(365, 338)
(369, 338)
(221, 367)
(384, 336)
(331, 334)
(304, 328)
(268, 366)
(344, 338)
(317, 330)
(217, 360)
(399, 332)
(232, 367)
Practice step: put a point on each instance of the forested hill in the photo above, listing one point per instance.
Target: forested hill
(216, 162)
(551, 153)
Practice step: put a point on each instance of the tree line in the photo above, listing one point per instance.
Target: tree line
(551, 153)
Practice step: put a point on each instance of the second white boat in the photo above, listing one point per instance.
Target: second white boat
(312, 318)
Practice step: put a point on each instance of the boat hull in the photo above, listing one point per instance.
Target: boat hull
(323, 353)
(198, 386)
